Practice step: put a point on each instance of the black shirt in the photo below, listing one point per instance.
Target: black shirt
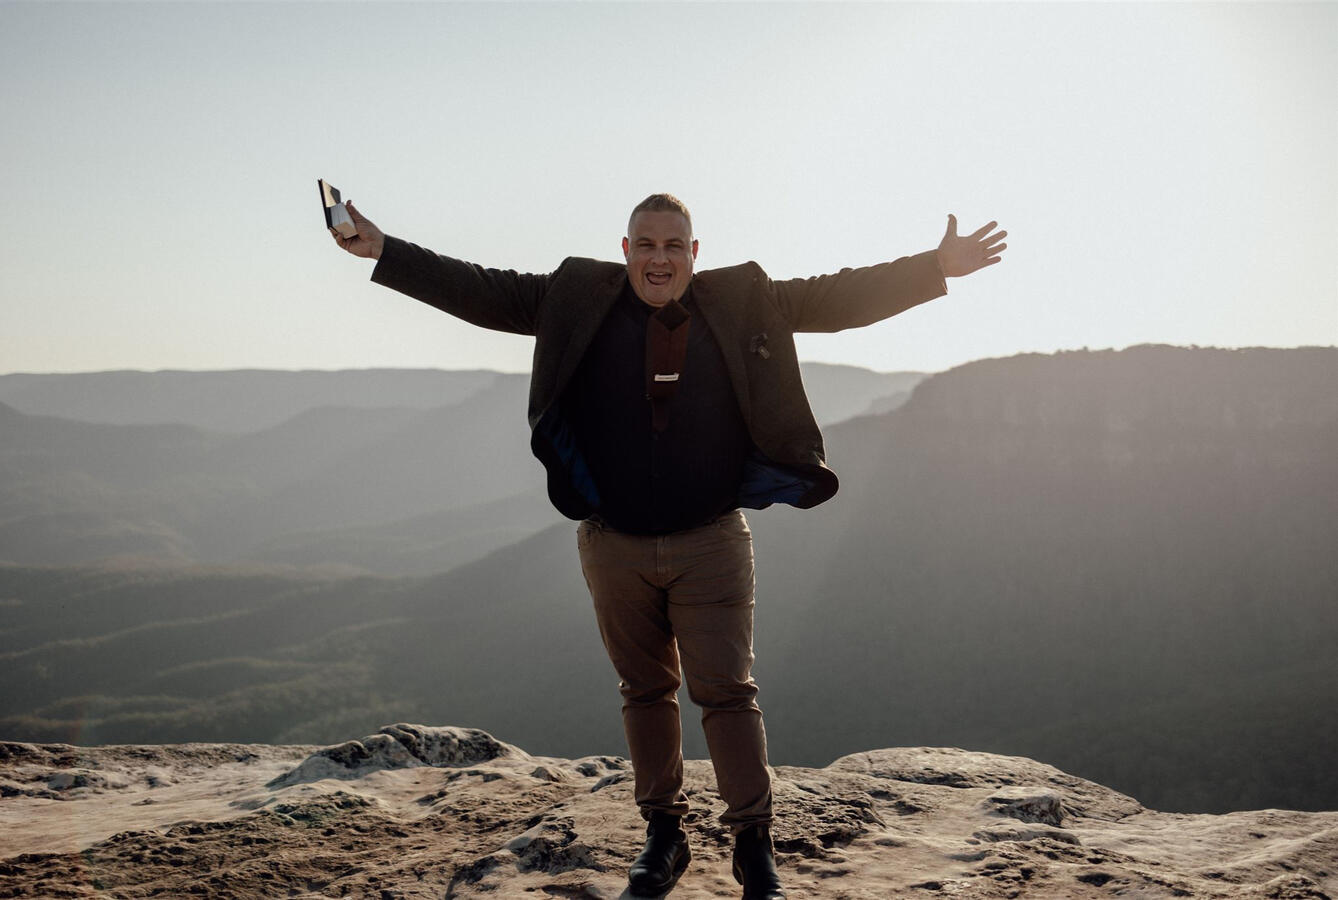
(649, 482)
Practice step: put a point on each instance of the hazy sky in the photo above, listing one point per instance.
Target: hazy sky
(1167, 173)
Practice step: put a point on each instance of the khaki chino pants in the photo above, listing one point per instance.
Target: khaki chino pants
(683, 599)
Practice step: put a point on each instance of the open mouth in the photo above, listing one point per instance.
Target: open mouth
(659, 279)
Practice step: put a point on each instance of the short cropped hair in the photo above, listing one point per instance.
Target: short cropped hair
(660, 203)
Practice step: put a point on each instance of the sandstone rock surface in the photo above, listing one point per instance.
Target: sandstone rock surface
(416, 811)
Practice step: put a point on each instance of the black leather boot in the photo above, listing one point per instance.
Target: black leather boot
(755, 864)
(662, 860)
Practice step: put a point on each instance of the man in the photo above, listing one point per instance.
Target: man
(661, 402)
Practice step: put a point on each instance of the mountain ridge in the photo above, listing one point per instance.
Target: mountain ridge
(360, 460)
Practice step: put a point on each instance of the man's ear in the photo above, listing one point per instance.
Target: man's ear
(626, 246)
(694, 247)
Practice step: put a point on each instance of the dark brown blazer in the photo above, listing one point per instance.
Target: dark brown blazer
(751, 317)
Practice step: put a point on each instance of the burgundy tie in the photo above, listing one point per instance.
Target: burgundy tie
(666, 348)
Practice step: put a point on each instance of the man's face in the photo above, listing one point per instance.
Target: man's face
(659, 249)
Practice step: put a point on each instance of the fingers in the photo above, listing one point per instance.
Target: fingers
(952, 226)
(983, 230)
(989, 246)
(343, 242)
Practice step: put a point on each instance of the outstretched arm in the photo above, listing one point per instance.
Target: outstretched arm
(963, 255)
(491, 298)
(856, 297)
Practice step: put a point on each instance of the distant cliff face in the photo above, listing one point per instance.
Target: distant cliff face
(415, 811)
(1119, 561)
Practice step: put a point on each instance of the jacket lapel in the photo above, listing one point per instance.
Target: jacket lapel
(722, 318)
(587, 315)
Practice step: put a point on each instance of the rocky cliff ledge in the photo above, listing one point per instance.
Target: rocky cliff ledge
(415, 811)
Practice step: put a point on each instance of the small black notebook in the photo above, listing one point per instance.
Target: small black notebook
(336, 215)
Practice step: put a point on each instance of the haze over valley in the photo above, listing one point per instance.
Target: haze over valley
(1118, 563)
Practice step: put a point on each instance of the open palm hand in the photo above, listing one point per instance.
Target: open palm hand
(963, 255)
